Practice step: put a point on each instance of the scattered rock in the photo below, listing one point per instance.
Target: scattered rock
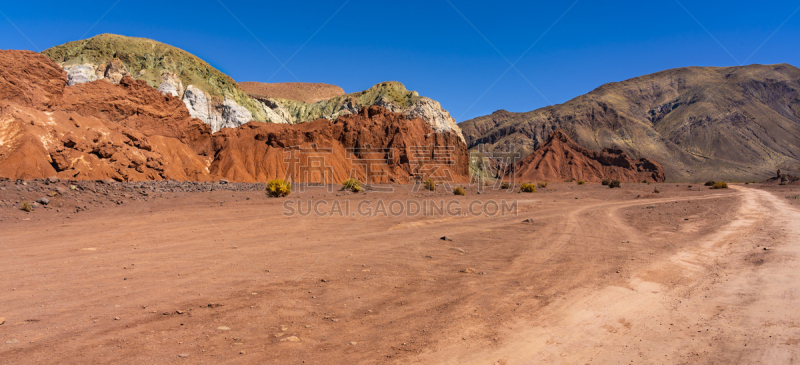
(108, 181)
(13, 340)
(291, 339)
(308, 326)
(279, 334)
(43, 201)
(183, 355)
(353, 343)
(223, 328)
(116, 318)
(284, 328)
(445, 238)
(467, 271)
(458, 249)
(214, 305)
(528, 221)
(223, 181)
(2, 321)
(766, 249)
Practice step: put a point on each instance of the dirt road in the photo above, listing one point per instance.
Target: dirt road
(582, 274)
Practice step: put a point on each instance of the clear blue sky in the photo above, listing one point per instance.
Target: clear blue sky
(430, 46)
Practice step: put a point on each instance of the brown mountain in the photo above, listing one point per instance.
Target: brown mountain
(560, 158)
(302, 91)
(131, 131)
(701, 123)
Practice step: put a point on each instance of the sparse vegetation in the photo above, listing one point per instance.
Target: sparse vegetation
(719, 185)
(54, 194)
(606, 182)
(542, 184)
(613, 184)
(352, 185)
(279, 188)
(657, 191)
(26, 206)
(710, 183)
(459, 191)
(505, 185)
(527, 188)
(430, 185)
(581, 182)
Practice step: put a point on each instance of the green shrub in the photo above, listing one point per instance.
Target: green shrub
(28, 207)
(606, 182)
(614, 184)
(710, 183)
(279, 188)
(527, 188)
(352, 185)
(542, 184)
(720, 185)
(581, 182)
(459, 191)
(430, 185)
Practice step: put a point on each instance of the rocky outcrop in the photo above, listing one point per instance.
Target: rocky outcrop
(130, 131)
(258, 151)
(171, 84)
(560, 159)
(93, 130)
(79, 74)
(433, 113)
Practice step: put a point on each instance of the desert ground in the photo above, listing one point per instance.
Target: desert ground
(583, 274)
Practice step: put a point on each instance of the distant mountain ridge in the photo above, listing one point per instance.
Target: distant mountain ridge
(725, 123)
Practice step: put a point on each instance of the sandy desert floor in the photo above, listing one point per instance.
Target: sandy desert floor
(582, 275)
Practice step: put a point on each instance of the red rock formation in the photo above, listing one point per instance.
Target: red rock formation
(131, 131)
(256, 151)
(560, 158)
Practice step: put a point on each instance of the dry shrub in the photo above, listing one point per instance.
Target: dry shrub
(542, 184)
(719, 185)
(614, 184)
(527, 188)
(459, 191)
(279, 188)
(710, 183)
(352, 185)
(430, 185)
(581, 182)
(606, 182)
(28, 207)
(505, 185)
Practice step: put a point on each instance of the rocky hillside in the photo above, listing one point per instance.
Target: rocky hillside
(217, 99)
(130, 131)
(301, 91)
(701, 123)
(560, 159)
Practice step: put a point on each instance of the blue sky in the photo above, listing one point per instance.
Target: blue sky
(457, 52)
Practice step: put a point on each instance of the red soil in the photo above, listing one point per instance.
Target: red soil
(560, 158)
(302, 91)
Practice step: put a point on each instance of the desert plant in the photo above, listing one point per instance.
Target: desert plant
(352, 185)
(581, 182)
(606, 182)
(505, 185)
(279, 188)
(28, 207)
(720, 185)
(542, 184)
(430, 185)
(54, 194)
(710, 183)
(527, 188)
(656, 191)
(613, 184)
(459, 191)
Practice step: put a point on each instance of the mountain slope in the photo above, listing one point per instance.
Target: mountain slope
(728, 123)
(301, 91)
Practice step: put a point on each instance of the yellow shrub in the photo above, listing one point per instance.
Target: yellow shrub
(542, 184)
(352, 185)
(279, 188)
(527, 188)
(430, 185)
(459, 191)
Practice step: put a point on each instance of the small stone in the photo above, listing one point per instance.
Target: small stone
(108, 181)
(43, 201)
(223, 181)
(241, 352)
(445, 238)
(766, 249)
(224, 328)
(458, 249)
(308, 326)
(13, 340)
(277, 335)
(353, 343)
(528, 221)
(284, 328)
(2, 320)
(291, 339)
(183, 355)
(179, 312)
(116, 318)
